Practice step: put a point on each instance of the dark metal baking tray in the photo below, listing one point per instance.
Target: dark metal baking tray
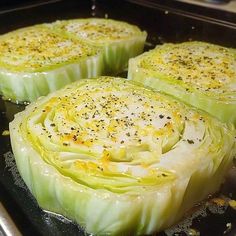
(165, 21)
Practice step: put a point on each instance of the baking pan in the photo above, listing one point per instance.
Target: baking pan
(165, 21)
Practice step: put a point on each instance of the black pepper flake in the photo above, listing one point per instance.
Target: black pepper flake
(161, 116)
(100, 168)
(190, 141)
(122, 141)
(65, 144)
(168, 117)
(52, 125)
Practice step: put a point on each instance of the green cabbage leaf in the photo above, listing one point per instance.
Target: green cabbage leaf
(198, 73)
(117, 158)
(120, 40)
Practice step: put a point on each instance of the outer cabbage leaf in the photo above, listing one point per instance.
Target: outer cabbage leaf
(118, 158)
(35, 61)
(119, 40)
(197, 73)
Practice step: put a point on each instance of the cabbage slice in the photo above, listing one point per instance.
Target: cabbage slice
(198, 73)
(118, 158)
(119, 40)
(35, 61)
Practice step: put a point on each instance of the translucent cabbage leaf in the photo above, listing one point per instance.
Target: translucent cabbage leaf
(35, 61)
(117, 158)
(119, 40)
(40, 59)
(198, 73)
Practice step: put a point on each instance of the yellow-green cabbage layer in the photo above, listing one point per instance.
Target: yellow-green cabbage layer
(120, 41)
(35, 61)
(40, 59)
(117, 158)
(197, 73)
